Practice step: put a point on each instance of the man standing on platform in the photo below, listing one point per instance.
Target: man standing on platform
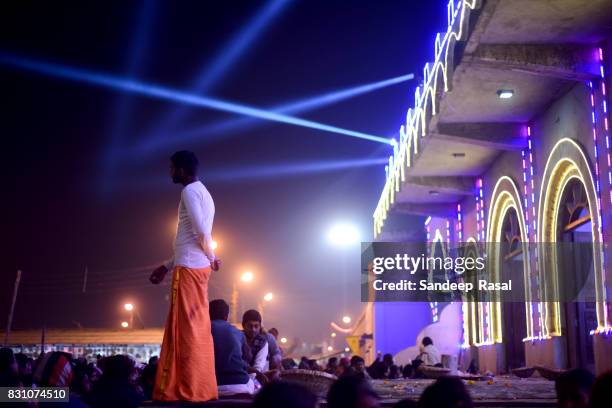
(186, 370)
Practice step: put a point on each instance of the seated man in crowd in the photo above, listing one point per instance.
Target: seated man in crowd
(274, 352)
(430, 355)
(229, 342)
(256, 350)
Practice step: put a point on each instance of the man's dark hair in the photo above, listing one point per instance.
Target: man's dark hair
(446, 392)
(574, 385)
(427, 341)
(332, 360)
(356, 360)
(218, 309)
(185, 160)
(284, 395)
(251, 315)
(348, 391)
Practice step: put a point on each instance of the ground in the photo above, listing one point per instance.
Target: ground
(502, 391)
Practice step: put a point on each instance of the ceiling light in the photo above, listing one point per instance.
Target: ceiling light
(505, 93)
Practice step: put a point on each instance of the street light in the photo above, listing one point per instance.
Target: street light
(125, 325)
(333, 334)
(129, 307)
(283, 340)
(346, 319)
(268, 297)
(247, 276)
(346, 349)
(330, 348)
(343, 235)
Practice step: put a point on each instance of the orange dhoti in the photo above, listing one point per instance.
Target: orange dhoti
(186, 370)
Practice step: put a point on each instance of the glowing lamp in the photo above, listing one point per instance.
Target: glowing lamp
(505, 93)
(247, 276)
(343, 235)
(129, 307)
(346, 319)
(330, 348)
(268, 297)
(124, 325)
(283, 340)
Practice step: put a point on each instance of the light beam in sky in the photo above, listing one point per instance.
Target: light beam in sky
(223, 62)
(295, 107)
(135, 54)
(169, 94)
(288, 169)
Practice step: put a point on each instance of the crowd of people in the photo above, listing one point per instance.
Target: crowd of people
(248, 364)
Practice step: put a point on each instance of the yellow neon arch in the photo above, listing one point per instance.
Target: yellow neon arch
(567, 161)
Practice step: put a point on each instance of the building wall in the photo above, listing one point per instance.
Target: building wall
(569, 116)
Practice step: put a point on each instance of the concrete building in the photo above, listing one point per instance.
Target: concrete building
(509, 142)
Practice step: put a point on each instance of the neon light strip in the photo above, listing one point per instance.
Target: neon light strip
(459, 226)
(604, 114)
(486, 333)
(530, 212)
(604, 108)
(425, 103)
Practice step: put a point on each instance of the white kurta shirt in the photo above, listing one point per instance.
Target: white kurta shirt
(193, 242)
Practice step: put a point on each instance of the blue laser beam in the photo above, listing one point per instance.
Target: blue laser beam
(222, 64)
(295, 107)
(289, 169)
(136, 53)
(165, 93)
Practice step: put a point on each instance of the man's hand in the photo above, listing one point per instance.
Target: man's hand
(216, 264)
(158, 275)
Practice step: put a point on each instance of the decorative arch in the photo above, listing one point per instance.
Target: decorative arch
(567, 161)
(506, 196)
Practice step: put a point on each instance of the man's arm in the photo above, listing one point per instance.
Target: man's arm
(260, 359)
(195, 209)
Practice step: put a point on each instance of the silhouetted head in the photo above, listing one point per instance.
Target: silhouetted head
(284, 395)
(573, 388)
(405, 403)
(218, 309)
(332, 362)
(427, 341)
(358, 363)
(119, 368)
(446, 392)
(352, 392)
(251, 323)
(8, 364)
(601, 397)
(274, 331)
(183, 166)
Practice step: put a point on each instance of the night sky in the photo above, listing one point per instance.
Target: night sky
(79, 193)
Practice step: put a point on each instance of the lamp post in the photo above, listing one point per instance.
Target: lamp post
(343, 235)
(246, 277)
(129, 307)
(267, 298)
